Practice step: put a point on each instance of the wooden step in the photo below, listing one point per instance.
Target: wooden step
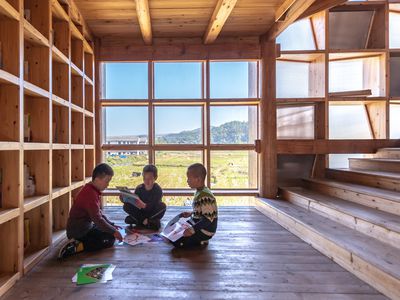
(378, 179)
(375, 164)
(377, 263)
(384, 200)
(377, 224)
(388, 153)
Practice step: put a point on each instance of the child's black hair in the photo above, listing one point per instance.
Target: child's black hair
(198, 170)
(151, 169)
(102, 170)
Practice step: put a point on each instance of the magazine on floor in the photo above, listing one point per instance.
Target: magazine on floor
(175, 228)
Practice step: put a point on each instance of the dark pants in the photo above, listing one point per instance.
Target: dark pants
(96, 240)
(191, 241)
(156, 213)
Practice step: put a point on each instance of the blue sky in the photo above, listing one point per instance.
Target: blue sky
(172, 81)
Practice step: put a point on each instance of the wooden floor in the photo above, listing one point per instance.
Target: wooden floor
(251, 257)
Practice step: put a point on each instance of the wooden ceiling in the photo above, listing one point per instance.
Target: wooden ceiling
(206, 19)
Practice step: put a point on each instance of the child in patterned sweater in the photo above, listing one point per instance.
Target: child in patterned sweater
(204, 216)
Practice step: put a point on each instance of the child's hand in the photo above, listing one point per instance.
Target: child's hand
(187, 232)
(186, 214)
(118, 236)
(140, 204)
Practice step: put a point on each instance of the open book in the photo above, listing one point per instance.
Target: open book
(127, 196)
(175, 228)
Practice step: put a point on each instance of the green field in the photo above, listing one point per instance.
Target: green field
(229, 169)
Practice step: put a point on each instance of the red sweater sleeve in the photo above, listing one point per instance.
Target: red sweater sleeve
(94, 211)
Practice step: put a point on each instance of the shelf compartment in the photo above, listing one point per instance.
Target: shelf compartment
(36, 119)
(89, 132)
(58, 56)
(9, 182)
(36, 65)
(60, 207)
(77, 166)
(76, 128)
(37, 13)
(301, 75)
(61, 80)
(61, 176)
(358, 71)
(77, 53)
(8, 78)
(36, 234)
(61, 36)
(38, 163)
(89, 162)
(89, 65)
(9, 9)
(59, 191)
(9, 113)
(32, 35)
(357, 27)
(395, 75)
(8, 252)
(60, 125)
(60, 12)
(9, 45)
(77, 90)
(89, 104)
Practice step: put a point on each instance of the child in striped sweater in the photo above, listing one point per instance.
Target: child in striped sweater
(204, 216)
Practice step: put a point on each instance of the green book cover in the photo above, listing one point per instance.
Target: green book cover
(87, 275)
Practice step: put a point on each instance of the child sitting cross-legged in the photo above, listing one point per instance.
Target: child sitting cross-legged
(88, 228)
(204, 216)
(150, 209)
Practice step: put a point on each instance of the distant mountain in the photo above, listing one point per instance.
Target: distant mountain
(228, 133)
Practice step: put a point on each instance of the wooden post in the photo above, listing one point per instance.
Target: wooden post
(268, 183)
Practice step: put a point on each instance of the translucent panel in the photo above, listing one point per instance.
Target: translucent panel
(233, 124)
(172, 167)
(127, 166)
(345, 75)
(125, 81)
(178, 124)
(348, 122)
(233, 79)
(295, 122)
(177, 80)
(395, 121)
(349, 30)
(298, 36)
(292, 79)
(394, 30)
(337, 161)
(233, 169)
(126, 125)
(395, 76)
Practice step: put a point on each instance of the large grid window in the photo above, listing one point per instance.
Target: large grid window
(173, 114)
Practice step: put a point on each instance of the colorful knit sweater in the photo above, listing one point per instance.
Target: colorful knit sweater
(205, 212)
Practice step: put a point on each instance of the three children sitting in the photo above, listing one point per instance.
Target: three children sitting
(90, 230)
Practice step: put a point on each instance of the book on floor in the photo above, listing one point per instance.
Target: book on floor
(93, 273)
(127, 196)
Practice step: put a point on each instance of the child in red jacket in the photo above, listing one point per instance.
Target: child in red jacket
(87, 226)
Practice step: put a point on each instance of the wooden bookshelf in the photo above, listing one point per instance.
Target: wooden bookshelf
(46, 72)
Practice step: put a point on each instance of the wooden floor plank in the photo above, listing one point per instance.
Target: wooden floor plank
(251, 257)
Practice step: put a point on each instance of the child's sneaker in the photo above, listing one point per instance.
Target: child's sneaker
(154, 224)
(130, 220)
(69, 248)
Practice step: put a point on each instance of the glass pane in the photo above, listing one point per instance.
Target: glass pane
(172, 167)
(298, 36)
(177, 80)
(395, 121)
(233, 124)
(127, 166)
(394, 30)
(341, 161)
(178, 125)
(292, 79)
(346, 75)
(126, 125)
(295, 122)
(221, 200)
(233, 79)
(395, 75)
(348, 122)
(125, 81)
(233, 169)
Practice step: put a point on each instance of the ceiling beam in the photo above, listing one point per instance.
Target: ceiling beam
(221, 13)
(318, 6)
(291, 15)
(280, 12)
(143, 14)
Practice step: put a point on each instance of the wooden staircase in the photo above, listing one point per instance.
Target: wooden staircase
(351, 216)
